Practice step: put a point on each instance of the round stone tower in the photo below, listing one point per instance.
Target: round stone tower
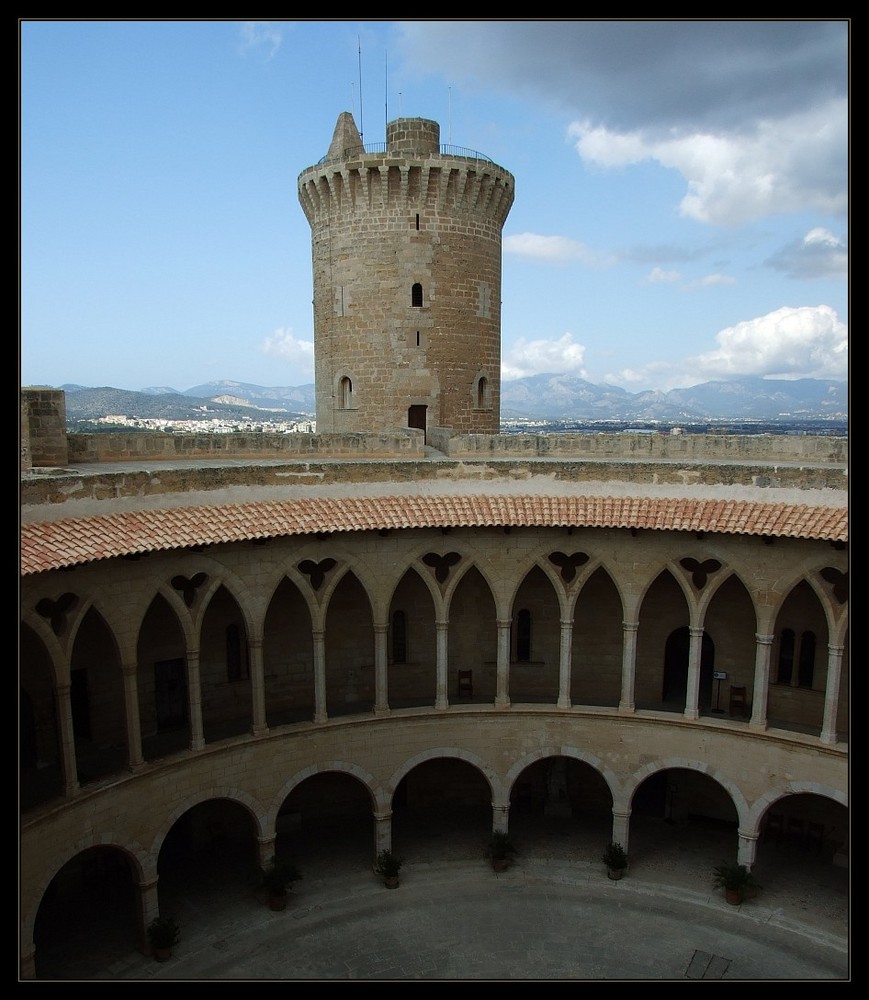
(406, 248)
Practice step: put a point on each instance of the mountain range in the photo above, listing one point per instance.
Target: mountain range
(538, 397)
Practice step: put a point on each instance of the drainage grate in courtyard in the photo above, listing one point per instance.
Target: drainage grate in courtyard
(706, 966)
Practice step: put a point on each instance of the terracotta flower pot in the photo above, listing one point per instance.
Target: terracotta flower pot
(391, 881)
(734, 896)
(615, 873)
(278, 900)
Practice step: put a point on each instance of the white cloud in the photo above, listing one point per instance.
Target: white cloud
(284, 346)
(538, 357)
(783, 165)
(819, 254)
(714, 279)
(658, 276)
(260, 36)
(789, 343)
(550, 249)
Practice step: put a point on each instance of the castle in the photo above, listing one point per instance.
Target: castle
(242, 641)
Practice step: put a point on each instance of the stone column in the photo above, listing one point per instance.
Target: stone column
(382, 833)
(629, 665)
(130, 674)
(565, 654)
(760, 693)
(746, 850)
(695, 652)
(500, 817)
(194, 700)
(831, 693)
(502, 696)
(381, 684)
(621, 828)
(66, 739)
(265, 849)
(442, 634)
(319, 640)
(257, 687)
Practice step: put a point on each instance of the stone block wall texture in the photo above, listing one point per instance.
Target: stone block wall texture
(406, 252)
(43, 427)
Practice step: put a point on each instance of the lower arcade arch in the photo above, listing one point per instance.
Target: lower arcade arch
(327, 816)
(442, 811)
(89, 912)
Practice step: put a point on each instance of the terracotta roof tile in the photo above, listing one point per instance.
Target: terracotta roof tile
(54, 544)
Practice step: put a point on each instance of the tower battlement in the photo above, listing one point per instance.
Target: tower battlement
(411, 169)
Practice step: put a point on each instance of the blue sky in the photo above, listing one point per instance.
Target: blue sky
(681, 208)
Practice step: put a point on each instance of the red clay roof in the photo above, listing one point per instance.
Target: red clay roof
(55, 544)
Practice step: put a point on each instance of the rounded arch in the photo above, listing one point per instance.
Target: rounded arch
(573, 753)
(634, 780)
(437, 753)
(237, 796)
(770, 797)
(96, 883)
(341, 766)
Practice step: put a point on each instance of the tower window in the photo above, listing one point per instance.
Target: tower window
(345, 393)
(417, 220)
(417, 338)
(416, 295)
(482, 392)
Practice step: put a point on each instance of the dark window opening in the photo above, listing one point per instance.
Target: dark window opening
(416, 295)
(345, 393)
(417, 220)
(399, 637)
(482, 392)
(417, 338)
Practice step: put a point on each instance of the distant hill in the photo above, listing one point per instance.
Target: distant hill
(538, 397)
(89, 404)
(567, 397)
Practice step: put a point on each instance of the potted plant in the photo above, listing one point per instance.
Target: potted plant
(277, 878)
(737, 882)
(500, 850)
(389, 865)
(615, 859)
(163, 934)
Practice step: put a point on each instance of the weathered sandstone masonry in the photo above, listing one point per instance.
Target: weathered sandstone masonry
(406, 251)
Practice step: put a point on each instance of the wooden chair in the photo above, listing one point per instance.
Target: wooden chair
(466, 683)
(738, 700)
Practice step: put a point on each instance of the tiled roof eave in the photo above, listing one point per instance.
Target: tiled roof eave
(54, 545)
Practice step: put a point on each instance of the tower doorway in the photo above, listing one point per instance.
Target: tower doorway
(416, 417)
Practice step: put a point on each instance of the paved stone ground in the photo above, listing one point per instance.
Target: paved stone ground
(552, 916)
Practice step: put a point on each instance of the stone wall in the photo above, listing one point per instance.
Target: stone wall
(43, 427)
(125, 447)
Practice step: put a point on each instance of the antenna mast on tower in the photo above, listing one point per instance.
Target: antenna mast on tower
(361, 133)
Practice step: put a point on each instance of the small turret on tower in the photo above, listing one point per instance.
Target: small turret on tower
(406, 249)
(345, 137)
